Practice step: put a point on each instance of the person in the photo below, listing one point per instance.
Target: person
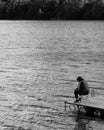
(82, 89)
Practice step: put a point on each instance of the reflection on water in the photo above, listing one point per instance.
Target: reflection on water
(39, 62)
(82, 124)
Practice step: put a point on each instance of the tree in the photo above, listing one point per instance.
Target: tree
(98, 11)
(16, 9)
(49, 10)
(34, 10)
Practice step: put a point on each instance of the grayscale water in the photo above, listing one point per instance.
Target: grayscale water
(39, 63)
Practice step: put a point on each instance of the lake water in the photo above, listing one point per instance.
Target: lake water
(39, 63)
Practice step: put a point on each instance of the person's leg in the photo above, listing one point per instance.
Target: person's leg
(85, 93)
(76, 92)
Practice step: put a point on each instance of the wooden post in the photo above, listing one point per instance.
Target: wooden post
(78, 107)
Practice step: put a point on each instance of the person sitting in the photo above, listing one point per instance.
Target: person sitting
(82, 89)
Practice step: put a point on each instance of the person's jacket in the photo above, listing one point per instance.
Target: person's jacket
(83, 87)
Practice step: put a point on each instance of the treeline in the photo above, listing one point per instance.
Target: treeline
(51, 9)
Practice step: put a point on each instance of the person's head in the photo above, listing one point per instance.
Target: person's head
(79, 78)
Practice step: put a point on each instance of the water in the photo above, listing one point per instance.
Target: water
(39, 63)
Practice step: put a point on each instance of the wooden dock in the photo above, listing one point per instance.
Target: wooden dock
(91, 105)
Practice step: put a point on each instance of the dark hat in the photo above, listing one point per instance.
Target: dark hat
(79, 78)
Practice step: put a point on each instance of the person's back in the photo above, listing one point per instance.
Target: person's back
(83, 88)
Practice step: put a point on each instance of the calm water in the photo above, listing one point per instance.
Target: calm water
(39, 62)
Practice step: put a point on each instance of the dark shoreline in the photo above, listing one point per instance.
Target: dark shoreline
(51, 10)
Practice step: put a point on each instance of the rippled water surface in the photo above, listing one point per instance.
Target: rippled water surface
(39, 62)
